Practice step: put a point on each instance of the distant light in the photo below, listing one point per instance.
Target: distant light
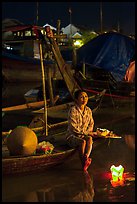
(78, 43)
(9, 48)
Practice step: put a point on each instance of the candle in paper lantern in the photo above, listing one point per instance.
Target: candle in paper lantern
(117, 172)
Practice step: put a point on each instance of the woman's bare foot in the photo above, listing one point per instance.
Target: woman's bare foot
(87, 163)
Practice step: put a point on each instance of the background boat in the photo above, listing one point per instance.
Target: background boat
(21, 57)
(103, 62)
(17, 68)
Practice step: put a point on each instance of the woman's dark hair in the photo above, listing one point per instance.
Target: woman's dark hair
(77, 93)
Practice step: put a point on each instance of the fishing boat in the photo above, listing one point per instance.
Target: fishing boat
(60, 112)
(21, 57)
(27, 106)
(33, 106)
(31, 164)
(103, 63)
(19, 165)
(113, 88)
(17, 68)
(32, 114)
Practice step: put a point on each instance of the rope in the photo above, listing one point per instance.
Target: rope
(112, 95)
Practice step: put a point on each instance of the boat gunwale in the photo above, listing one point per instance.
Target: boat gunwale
(38, 156)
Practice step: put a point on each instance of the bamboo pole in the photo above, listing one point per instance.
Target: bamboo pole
(44, 88)
(50, 88)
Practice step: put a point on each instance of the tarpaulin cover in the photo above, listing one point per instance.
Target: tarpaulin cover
(109, 51)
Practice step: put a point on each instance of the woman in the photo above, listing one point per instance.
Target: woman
(80, 128)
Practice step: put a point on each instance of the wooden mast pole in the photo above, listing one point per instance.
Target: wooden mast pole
(44, 88)
(37, 16)
(40, 38)
(101, 19)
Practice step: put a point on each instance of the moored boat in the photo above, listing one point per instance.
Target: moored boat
(21, 57)
(17, 68)
(31, 164)
(27, 106)
(19, 165)
(103, 63)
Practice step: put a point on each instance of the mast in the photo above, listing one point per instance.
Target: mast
(37, 16)
(44, 87)
(70, 18)
(101, 18)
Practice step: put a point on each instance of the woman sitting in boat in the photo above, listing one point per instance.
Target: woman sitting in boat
(80, 128)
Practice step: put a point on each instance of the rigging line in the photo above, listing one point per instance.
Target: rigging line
(106, 94)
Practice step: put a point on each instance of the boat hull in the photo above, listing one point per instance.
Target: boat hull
(24, 69)
(31, 164)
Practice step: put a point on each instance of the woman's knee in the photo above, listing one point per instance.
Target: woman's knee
(90, 140)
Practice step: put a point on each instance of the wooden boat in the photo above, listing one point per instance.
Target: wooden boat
(20, 56)
(56, 111)
(99, 68)
(28, 106)
(17, 68)
(114, 89)
(33, 105)
(59, 113)
(18, 165)
(96, 98)
(32, 164)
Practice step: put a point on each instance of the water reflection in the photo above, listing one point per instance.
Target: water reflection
(70, 192)
(78, 189)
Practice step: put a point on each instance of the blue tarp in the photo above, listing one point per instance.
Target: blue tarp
(109, 51)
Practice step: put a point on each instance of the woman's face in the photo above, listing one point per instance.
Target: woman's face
(82, 98)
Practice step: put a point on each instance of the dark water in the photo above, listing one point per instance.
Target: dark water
(66, 182)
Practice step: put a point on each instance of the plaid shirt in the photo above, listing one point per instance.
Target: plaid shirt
(80, 122)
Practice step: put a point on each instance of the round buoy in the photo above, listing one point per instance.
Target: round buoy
(22, 141)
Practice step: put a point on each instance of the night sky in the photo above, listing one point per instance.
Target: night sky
(83, 13)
